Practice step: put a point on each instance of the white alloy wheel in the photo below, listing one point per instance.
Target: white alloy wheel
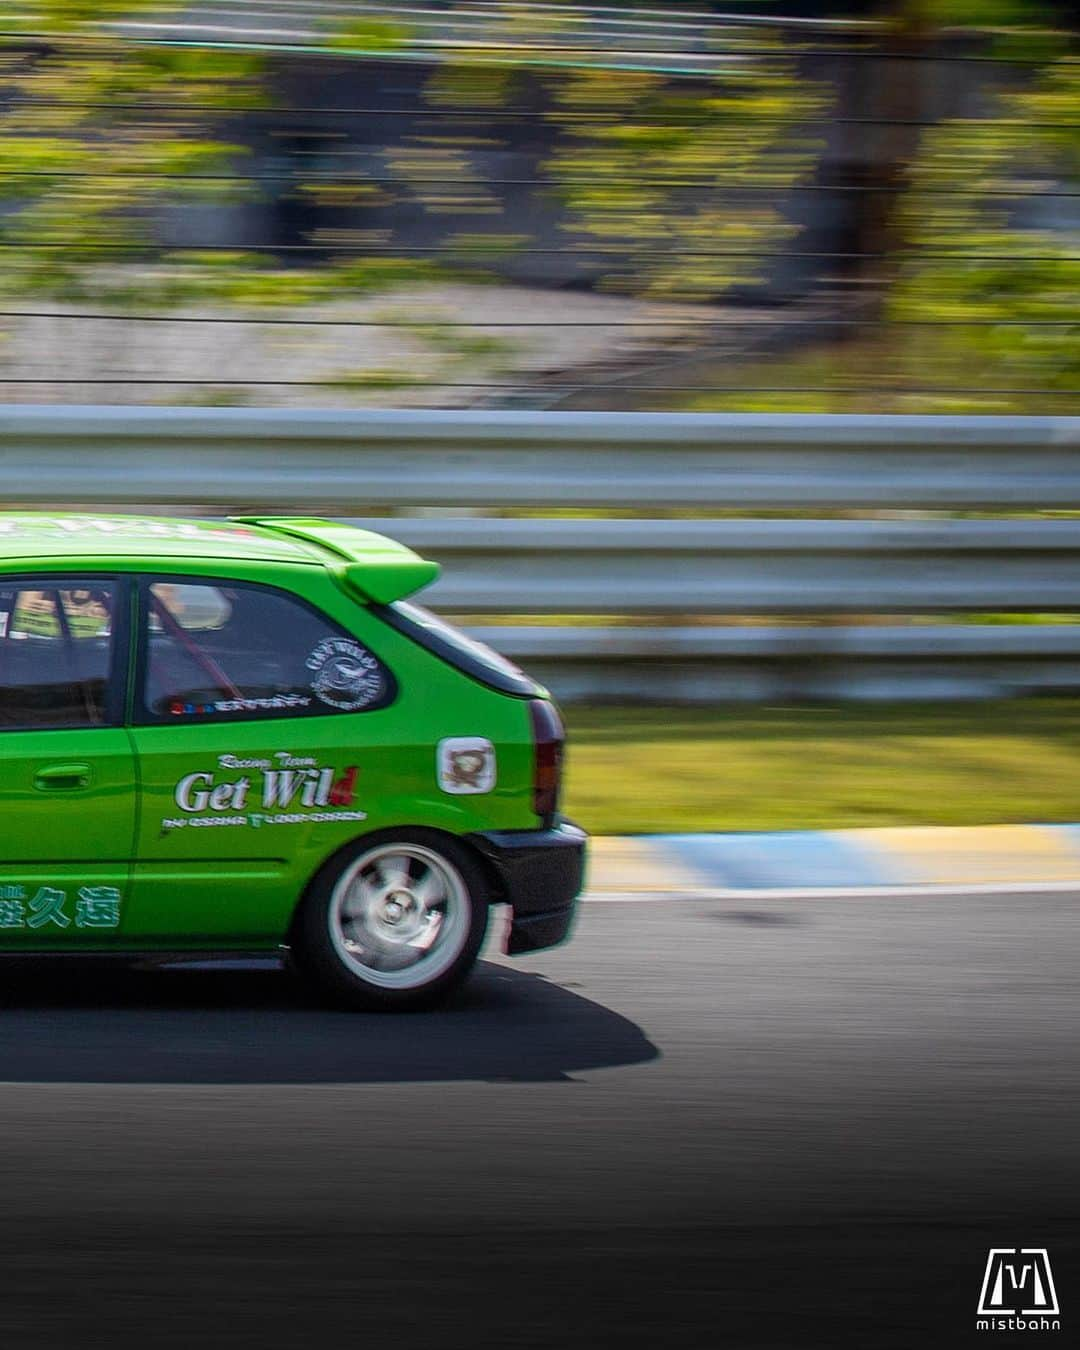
(399, 916)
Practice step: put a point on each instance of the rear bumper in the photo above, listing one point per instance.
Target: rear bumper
(540, 875)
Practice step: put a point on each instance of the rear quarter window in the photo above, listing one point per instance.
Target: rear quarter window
(225, 651)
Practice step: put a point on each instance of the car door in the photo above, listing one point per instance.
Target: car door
(249, 755)
(67, 786)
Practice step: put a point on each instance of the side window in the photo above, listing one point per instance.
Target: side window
(231, 652)
(55, 654)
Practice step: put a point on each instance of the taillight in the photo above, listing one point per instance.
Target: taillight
(548, 739)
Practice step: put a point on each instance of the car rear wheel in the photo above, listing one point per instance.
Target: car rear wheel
(396, 923)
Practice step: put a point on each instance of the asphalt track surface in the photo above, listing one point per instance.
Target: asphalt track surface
(700, 1123)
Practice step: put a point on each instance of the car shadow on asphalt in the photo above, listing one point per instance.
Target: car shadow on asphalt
(79, 1021)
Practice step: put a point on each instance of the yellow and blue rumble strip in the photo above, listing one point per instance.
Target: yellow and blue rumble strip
(980, 855)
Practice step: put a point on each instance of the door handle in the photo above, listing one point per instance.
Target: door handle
(63, 778)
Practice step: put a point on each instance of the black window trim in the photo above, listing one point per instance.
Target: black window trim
(116, 685)
(139, 714)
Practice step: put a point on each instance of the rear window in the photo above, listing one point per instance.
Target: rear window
(229, 652)
(457, 649)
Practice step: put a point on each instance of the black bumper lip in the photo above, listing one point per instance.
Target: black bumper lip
(540, 873)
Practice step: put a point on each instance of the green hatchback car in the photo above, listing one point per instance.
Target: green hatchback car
(240, 736)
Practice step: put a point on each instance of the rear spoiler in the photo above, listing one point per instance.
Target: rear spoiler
(378, 568)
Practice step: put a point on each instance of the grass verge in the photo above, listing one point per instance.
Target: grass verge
(634, 770)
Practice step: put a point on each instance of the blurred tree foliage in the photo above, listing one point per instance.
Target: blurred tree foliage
(660, 172)
(969, 277)
(680, 182)
(996, 260)
(99, 134)
(974, 276)
(954, 249)
(676, 180)
(95, 134)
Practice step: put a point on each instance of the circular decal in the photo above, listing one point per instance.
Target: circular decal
(345, 675)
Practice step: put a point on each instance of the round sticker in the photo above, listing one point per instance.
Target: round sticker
(346, 675)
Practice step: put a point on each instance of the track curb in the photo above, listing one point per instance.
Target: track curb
(980, 859)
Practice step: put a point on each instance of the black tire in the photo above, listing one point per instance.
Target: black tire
(346, 939)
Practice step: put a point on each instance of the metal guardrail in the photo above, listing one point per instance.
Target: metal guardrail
(793, 567)
(809, 572)
(768, 662)
(353, 461)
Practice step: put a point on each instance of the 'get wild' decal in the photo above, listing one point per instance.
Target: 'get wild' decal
(284, 789)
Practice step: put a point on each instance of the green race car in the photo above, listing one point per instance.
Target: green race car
(239, 736)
